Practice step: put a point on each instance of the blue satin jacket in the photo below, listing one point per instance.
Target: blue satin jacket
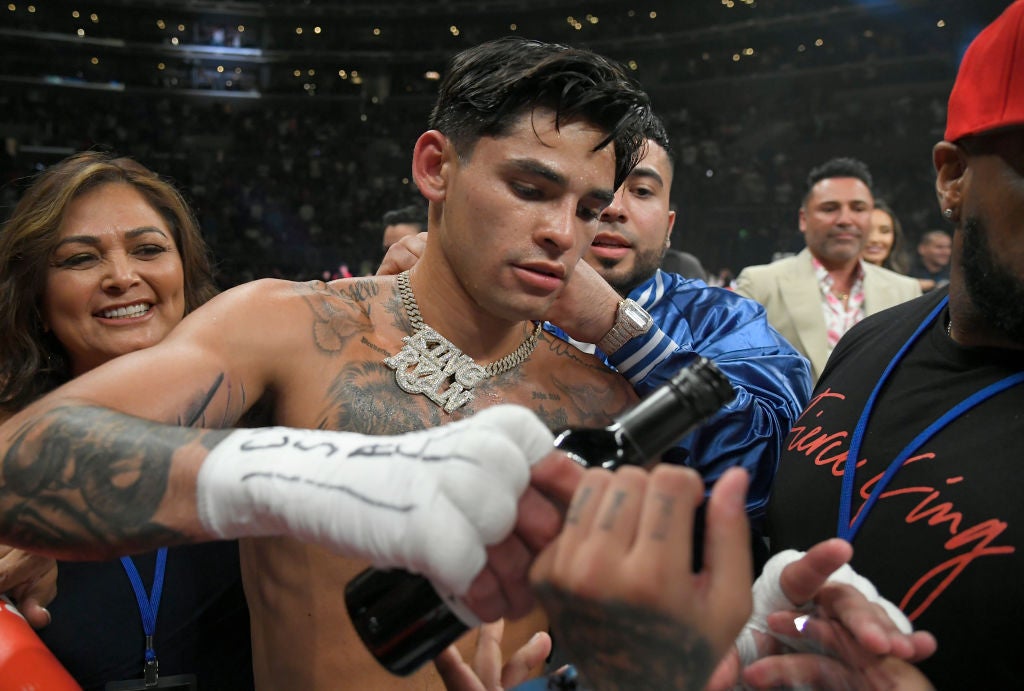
(772, 380)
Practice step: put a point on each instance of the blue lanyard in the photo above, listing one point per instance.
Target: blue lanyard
(848, 529)
(149, 605)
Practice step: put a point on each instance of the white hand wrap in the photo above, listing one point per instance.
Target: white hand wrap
(768, 598)
(428, 502)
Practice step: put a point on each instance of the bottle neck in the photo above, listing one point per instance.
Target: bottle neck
(659, 421)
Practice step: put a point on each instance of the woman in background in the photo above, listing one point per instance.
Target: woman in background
(100, 258)
(885, 243)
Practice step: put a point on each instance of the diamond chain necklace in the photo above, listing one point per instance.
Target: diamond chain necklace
(428, 361)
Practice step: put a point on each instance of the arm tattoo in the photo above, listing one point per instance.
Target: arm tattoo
(195, 413)
(86, 482)
(617, 645)
(205, 402)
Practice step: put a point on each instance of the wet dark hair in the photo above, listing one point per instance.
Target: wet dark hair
(656, 132)
(488, 87)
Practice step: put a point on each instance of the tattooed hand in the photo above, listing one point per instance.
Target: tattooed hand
(618, 584)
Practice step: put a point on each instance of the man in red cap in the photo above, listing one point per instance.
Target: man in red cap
(927, 398)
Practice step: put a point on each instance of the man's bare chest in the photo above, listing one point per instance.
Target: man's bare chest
(359, 392)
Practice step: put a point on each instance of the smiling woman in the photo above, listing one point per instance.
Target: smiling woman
(884, 244)
(115, 281)
(67, 233)
(100, 258)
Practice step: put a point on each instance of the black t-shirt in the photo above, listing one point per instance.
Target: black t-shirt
(202, 625)
(944, 540)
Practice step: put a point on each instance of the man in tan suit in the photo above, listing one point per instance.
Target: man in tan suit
(815, 297)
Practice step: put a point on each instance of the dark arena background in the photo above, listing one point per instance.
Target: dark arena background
(289, 125)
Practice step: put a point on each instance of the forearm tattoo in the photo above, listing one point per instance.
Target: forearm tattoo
(616, 645)
(81, 481)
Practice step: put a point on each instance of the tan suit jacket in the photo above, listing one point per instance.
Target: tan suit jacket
(789, 291)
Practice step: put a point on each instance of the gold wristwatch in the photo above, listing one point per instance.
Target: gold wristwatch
(631, 320)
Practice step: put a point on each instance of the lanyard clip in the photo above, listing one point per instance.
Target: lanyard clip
(151, 672)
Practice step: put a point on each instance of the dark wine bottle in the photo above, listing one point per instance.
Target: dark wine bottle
(406, 623)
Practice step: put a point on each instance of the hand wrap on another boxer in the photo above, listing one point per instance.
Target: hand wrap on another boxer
(428, 502)
(768, 598)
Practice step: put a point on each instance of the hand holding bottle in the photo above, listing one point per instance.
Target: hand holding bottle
(618, 585)
(405, 622)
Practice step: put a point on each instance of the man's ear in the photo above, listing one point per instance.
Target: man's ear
(950, 163)
(671, 225)
(431, 162)
(803, 219)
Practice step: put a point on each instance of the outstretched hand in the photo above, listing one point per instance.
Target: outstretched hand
(444, 502)
(873, 660)
(807, 629)
(487, 673)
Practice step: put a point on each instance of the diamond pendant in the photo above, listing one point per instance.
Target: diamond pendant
(431, 365)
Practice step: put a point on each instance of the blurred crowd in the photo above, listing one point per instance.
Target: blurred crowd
(291, 169)
(292, 189)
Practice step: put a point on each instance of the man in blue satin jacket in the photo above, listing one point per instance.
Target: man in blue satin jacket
(649, 324)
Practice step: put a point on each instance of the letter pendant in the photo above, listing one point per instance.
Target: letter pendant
(431, 365)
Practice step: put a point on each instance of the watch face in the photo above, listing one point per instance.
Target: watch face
(637, 318)
(631, 320)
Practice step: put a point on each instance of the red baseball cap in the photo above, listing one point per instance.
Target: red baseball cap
(989, 90)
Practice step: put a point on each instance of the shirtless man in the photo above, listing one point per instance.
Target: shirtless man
(530, 141)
